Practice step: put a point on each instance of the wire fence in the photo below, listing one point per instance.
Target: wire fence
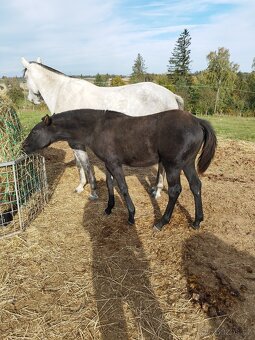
(23, 193)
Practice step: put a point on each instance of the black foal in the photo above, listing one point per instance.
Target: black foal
(172, 138)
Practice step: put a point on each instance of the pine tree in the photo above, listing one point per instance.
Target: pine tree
(139, 70)
(179, 63)
(253, 65)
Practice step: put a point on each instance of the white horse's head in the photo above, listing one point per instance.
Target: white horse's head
(33, 92)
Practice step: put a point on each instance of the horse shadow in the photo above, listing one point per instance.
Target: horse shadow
(126, 303)
(55, 166)
(221, 280)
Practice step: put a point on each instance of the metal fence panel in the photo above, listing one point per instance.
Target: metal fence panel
(23, 193)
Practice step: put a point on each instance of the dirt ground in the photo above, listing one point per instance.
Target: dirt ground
(76, 273)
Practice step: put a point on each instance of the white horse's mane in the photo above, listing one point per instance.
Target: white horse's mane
(46, 67)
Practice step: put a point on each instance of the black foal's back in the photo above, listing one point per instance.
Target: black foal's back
(170, 136)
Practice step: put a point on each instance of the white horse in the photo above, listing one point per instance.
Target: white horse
(62, 93)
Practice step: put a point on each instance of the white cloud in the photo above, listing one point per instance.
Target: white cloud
(234, 31)
(90, 36)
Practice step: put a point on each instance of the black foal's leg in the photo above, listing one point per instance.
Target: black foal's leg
(195, 187)
(156, 191)
(174, 190)
(111, 201)
(117, 172)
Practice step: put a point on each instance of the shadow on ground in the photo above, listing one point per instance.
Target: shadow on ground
(121, 276)
(55, 166)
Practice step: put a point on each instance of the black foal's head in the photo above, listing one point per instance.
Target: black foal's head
(40, 136)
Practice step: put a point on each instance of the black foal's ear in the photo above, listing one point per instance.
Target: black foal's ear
(47, 120)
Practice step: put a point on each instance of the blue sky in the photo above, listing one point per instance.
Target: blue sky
(95, 36)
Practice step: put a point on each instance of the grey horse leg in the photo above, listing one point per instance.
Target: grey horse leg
(86, 172)
(83, 177)
(156, 190)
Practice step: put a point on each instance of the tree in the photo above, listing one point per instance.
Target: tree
(253, 65)
(14, 91)
(179, 63)
(202, 95)
(222, 75)
(101, 79)
(139, 70)
(251, 92)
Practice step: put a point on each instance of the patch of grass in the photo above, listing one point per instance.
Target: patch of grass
(233, 127)
(29, 118)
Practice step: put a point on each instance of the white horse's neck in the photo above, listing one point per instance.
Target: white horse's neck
(48, 83)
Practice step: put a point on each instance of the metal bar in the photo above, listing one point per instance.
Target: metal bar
(45, 182)
(7, 163)
(17, 196)
(10, 234)
(14, 161)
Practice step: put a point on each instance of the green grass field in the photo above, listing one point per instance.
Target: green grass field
(29, 118)
(225, 126)
(233, 127)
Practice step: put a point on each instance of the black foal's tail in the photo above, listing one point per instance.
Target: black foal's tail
(209, 146)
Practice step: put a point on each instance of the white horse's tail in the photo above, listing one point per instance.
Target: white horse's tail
(180, 102)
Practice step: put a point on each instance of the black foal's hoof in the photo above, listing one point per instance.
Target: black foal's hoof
(108, 211)
(93, 197)
(131, 221)
(195, 225)
(156, 228)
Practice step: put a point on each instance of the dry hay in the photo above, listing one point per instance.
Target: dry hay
(10, 138)
(10, 130)
(22, 185)
(76, 273)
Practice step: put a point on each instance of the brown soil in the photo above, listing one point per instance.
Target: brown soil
(76, 273)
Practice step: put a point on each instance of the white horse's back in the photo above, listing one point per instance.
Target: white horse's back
(63, 93)
(135, 100)
(139, 99)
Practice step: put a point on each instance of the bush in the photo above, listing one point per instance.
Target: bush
(14, 91)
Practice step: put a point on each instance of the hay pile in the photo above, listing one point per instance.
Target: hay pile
(79, 274)
(10, 138)
(23, 187)
(10, 131)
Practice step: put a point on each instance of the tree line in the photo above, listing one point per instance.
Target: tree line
(219, 89)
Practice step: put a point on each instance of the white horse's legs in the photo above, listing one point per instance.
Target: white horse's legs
(156, 191)
(83, 178)
(86, 173)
